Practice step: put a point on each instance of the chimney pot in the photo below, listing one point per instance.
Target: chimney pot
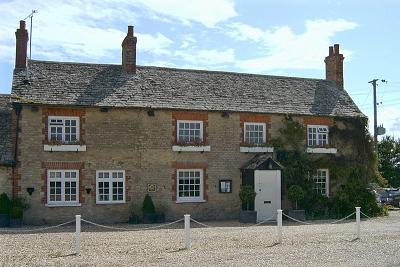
(336, 48)
(130, 31)
(330, 50)
(22, 24)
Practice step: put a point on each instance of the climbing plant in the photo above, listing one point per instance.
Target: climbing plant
(350, 172)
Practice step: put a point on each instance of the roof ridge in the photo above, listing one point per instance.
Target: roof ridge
(183, 70)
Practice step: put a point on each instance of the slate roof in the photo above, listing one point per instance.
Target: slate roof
(6, 147)
(262, 162)
(79, 84)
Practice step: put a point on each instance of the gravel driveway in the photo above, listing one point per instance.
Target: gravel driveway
(229, 244)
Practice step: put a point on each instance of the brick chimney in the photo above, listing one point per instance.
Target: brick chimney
(21, 36)
(334, 66)
(129, 51)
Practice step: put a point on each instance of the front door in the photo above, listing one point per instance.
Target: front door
(267, 185)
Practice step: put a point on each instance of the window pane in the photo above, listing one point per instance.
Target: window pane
(254, 134)
(189, 184)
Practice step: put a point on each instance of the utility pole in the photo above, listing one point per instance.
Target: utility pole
(377, 130)
(375, 114)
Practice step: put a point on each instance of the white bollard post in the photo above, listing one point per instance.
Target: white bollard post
(188, 242)
(279, 226)
(78, 235)
(358, 222)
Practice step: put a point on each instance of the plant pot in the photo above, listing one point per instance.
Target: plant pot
(248, 216)
(4, 220)
(16, 222)
(298, 214)
(134, 219)
(160, 218)
(150, 218)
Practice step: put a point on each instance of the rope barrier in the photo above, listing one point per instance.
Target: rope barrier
(264, 221)
(340, 220)
(210, 226)
(293, 219)
(202, 224)
(131, 229)
(365, 215)
(38, 229)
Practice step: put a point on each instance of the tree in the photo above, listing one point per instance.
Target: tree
(247, 195)
(295, 194)
(389, 160)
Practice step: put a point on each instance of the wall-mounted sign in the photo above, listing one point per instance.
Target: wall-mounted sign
(151, 188)
(225, 186)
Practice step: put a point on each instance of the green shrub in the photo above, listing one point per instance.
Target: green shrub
(295, 194)
(18, 202)
(355, 194)
(5, 204)
(247, 195)
(16, 213)
(148, 205)
(317, 206)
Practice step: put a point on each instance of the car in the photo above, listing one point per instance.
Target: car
(390, 196)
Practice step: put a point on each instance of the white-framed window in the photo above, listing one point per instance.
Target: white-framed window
(317, 135)
(63, 129)
(189, 131)
(255, 133)
(110, 186)
(189, 185)
(321, 182)
(62, 187)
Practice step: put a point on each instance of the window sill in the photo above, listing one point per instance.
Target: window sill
(109, 202)
(256, 149)
(191, 148)
(64, 148)
(54, 205)
(190, 201)
(321, 150)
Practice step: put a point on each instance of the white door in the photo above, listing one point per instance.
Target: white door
(267, 185)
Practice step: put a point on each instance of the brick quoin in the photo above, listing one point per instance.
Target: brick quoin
(189, 165)
(15, 175)
(191, 116)
(63, 166)
(69, 112)
(250, 117)
(318, 121)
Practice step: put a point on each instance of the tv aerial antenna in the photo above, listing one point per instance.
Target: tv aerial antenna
(30, 42)
(30, 32)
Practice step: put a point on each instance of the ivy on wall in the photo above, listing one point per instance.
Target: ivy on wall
(353, 168)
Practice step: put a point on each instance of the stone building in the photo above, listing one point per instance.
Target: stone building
(6, 145)
(94, 139)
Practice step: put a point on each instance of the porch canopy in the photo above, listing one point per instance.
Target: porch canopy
(262, 162)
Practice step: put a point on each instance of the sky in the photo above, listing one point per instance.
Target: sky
(285, 37)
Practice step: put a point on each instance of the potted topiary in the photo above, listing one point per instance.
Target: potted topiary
(18, 205)
(149, 211)
(134, 219)
(247, 196)
(4, 210)
(295, 194)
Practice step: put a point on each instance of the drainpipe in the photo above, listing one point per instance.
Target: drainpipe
(18, 108)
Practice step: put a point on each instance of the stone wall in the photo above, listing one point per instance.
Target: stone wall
(5, 180)
(131, 140)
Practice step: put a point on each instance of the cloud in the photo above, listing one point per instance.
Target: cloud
(187, 41)
(389, 116)
(395, 127)
(74, 31)
(207, 57)
(207, 12)
(284, 49)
